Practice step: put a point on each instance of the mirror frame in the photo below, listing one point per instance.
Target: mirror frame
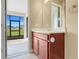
(58, 5)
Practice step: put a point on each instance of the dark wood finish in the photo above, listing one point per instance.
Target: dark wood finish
(46, 49)
(43, 49)
(40, 35)
(56, 49)
(35, 45)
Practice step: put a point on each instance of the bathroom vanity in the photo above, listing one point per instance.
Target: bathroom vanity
(48, 44)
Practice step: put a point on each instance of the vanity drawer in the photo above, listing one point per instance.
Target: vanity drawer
(40, 35)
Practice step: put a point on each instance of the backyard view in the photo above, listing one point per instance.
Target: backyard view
(14, 32)
(14, 26)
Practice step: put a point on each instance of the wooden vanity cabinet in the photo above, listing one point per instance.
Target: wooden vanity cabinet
(40, 45)
(35, 45)
(56, 49)
(45, 49)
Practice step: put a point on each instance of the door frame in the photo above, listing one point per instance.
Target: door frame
(3, 36)
(3, 26)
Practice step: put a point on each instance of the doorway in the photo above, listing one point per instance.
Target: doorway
(17, 41)
(17, 33)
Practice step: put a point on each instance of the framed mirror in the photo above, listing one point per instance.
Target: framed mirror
(55, 16)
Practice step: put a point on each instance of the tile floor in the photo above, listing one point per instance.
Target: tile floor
(25, 56)
(19, 49)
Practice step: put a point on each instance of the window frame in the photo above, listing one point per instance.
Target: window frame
(19, 14)
(58, 5)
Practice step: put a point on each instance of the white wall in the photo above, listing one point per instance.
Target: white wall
(3, 41)
(18, 6)
(71, 40)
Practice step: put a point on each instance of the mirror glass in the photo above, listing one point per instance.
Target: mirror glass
(55, 16)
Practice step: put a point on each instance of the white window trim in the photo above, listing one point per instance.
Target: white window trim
(20, 14)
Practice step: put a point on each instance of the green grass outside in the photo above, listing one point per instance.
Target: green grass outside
(14, 33)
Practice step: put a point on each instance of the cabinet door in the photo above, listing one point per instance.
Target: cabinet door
(42, 49)
(56, 49)
(35, 45)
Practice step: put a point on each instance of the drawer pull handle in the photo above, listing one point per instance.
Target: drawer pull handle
(52, 39)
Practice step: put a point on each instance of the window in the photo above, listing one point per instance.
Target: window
(56, 16)
(14, 27)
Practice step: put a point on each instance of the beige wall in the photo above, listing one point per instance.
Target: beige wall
(36, 13)
(72, 31)
(57, 1)
(40, 12)
(46, 14)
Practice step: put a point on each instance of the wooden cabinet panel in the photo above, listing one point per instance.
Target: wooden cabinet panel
(56, 49)
(35, 45)
(43, 50)
(41, 36)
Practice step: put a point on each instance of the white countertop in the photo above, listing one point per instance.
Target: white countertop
(48, 30)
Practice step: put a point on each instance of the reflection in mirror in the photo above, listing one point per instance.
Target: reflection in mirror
(55, 16)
